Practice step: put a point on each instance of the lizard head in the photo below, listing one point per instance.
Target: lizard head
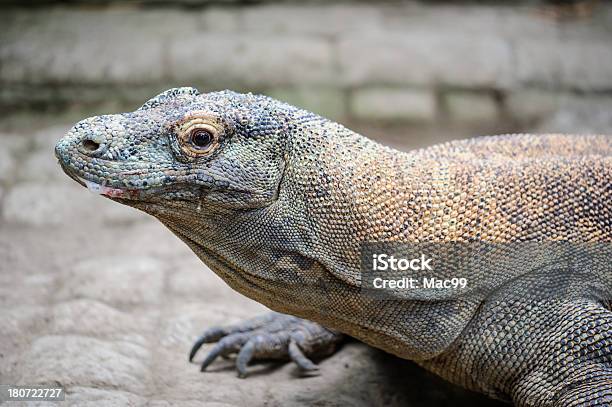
(221, 149)
(219, 170)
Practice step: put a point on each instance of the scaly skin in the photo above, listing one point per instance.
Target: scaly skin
(277, 201)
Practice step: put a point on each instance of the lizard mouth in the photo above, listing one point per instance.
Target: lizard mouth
(167, 184)
(178, 190)
(101, 189)
(110, 192)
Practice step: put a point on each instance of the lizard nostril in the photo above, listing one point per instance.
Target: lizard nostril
(90, 145)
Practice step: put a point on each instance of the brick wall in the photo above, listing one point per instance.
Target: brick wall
(400, 62)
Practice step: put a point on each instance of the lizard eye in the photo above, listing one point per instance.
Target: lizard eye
(201, 139)
(198, 137)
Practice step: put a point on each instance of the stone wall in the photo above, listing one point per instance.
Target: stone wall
(394, 62)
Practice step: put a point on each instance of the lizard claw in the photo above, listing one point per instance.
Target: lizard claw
(272, 336)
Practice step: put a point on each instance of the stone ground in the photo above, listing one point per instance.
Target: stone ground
(106, 302)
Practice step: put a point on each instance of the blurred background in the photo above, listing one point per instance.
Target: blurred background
(106, 302)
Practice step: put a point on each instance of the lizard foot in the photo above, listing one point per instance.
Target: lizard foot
(270, 336)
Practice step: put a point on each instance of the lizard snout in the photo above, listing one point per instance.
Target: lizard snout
(93, 146)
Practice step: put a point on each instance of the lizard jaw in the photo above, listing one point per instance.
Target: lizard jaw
(108, 191)
(100, 189)
(194, 188)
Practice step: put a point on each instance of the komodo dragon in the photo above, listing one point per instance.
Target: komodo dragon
(278, 201)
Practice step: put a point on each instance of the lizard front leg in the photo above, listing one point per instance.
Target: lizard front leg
(270, 336)
(589, 393)
(534, 352)
(574, 361)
